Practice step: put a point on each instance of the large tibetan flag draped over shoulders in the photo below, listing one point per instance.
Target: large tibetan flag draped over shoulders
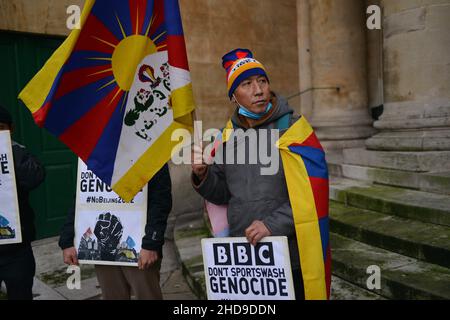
(307, 181)
(116, 90)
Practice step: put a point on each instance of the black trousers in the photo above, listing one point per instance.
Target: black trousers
(17, 272)
(298, 284)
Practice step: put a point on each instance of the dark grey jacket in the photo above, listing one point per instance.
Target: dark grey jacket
(249, 194)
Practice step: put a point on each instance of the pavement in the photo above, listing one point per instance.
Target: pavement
(51, 273)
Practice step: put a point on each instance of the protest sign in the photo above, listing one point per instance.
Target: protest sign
(10, 231)
(108, 231)
(236, 270)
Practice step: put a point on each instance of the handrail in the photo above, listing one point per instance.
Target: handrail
(311, 89)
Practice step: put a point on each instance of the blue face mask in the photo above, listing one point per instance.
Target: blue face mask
(255, 116)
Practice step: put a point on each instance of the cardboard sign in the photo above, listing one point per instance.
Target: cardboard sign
(236, 270)
(10, 231)
(108, 231)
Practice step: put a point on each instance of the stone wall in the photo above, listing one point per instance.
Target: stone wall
(36, 16)
(416, 63)
(333, 65)
(212, 27)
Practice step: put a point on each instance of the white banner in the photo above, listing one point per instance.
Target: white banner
(10, 231)
(236, 270)
(108, 231)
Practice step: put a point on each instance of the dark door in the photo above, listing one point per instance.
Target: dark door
(21, 56)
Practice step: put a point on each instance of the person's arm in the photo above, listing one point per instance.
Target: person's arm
(66, 238)
(278, 223)
(213, 187)
(159, 205)
(67, 233)
(208, 178)
(281, 222)
(29, 171)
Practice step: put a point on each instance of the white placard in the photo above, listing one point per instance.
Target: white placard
(10, 231)
(236, 270)
(108, 231)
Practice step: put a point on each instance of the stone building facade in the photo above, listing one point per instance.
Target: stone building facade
(321, 46)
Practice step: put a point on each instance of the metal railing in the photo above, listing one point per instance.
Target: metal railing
(338, 89)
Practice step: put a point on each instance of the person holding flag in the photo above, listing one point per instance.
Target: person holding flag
(293, 201)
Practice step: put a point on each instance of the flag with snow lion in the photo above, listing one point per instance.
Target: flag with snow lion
(116, 90)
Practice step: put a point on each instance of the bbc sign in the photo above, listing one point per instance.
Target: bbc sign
(236, 270)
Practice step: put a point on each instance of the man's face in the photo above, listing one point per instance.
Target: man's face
(254, 93)
(4, 126)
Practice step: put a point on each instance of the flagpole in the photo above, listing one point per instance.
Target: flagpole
(197, 130)
(197, 135)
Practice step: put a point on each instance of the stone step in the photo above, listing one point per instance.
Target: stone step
(344, 290)
(428, 182)
(430, 161)
(410, 204)
(335, 169)
(401, 277)
(436, 182)
(423, 241)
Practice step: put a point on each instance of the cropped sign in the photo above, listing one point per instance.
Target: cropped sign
(10, 231)
(236, 270)
(108, 230)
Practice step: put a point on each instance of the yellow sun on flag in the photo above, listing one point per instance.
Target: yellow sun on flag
(127, 55)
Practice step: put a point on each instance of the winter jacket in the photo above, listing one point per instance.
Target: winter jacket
(249, 194)
(159, 205)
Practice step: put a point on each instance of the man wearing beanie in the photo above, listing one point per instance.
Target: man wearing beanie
(17, 264)
(258, 205)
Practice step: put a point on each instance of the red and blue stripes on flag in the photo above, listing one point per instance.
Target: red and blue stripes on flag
(313, 157)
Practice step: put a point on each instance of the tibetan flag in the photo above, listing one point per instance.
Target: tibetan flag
(307, 181)
(116, 89)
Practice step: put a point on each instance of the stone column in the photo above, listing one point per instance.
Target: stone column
(375, 66)
(304, 57)
(338, 58)
(416, 77)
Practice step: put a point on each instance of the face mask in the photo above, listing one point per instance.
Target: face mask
(255, 116)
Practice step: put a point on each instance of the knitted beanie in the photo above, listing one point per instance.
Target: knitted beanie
(240, 65)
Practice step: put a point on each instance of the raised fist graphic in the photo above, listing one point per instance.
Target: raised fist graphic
(108, 231)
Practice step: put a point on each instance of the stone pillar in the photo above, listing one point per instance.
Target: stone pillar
(304, 57)
(416, 77)
(338, 58)
(375, 66)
